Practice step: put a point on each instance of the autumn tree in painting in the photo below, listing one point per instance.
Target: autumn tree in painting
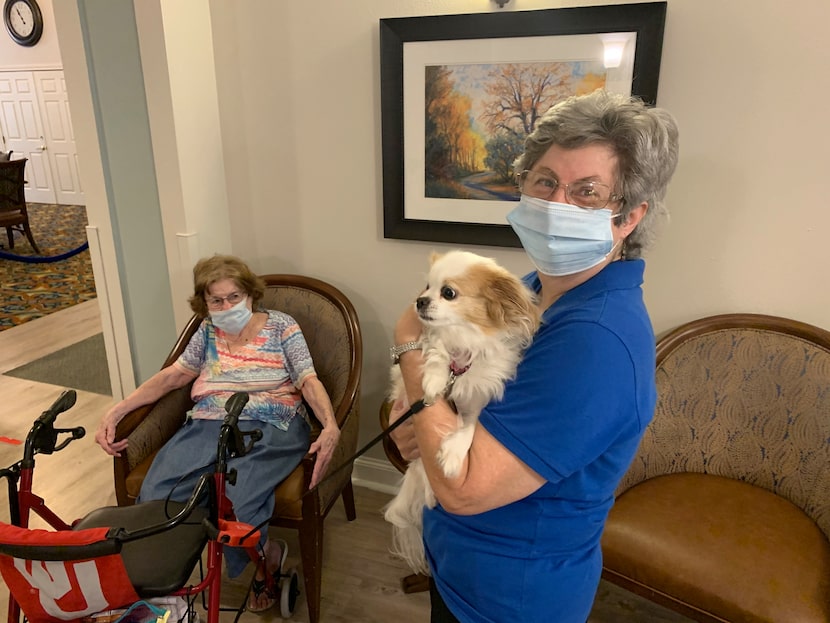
(471, 158)
(452, 147)
(518, 95)
(521, 93)
(502, 150)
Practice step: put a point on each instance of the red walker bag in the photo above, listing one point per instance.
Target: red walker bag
(64, 575)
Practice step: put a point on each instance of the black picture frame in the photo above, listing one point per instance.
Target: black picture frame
(647, 20)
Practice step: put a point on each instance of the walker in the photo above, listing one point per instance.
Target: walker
(116, 556)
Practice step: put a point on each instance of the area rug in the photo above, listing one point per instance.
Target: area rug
(81, 366)
(33, 290)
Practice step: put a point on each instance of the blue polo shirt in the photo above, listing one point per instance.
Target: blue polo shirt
(575, 413)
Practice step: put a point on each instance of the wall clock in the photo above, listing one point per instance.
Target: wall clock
(23, 20)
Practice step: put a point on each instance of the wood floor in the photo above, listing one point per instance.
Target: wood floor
(361, 580)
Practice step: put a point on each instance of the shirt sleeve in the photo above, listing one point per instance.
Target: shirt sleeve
(298, 362)
(573, 396)
(192, 358)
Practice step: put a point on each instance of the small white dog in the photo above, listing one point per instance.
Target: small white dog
(478, 319)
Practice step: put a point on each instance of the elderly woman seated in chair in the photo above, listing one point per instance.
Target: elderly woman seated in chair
(238, 347)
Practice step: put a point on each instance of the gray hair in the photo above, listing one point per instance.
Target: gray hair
(645, 141)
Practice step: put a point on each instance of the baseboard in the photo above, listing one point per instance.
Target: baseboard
(376, 474)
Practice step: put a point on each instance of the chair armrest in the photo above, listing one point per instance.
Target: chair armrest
(147, 429)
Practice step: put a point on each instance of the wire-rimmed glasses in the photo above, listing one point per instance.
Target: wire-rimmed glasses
(585, 194)
(216, 302)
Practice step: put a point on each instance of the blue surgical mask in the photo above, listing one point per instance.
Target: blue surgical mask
(560, 238)
(232, 320)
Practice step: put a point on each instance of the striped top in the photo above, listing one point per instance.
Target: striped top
(271, 368)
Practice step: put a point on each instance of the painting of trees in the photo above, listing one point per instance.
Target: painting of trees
(478, 116)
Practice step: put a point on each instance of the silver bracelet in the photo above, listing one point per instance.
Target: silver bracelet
(396, 351)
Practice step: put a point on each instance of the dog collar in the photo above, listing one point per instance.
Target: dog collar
(457, 371)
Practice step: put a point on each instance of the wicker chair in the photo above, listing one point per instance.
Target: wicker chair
(724, 514)
(332, 331)
(13, 213)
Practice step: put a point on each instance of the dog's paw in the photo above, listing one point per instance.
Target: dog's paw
(453, 451)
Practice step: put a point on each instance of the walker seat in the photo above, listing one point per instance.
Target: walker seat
(159, 564)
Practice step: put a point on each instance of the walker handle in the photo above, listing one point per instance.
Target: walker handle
(234, 407)
(65, 401)
(43, 436)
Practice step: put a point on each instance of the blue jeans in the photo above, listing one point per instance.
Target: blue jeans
(191, 452)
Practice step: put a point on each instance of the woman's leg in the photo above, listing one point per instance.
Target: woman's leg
(270, 461)
(188, 454)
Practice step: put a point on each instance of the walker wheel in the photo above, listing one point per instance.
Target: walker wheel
(289, 590)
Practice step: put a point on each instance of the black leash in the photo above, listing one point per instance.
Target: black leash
(415, 408)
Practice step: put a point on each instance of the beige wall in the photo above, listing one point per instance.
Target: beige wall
(299, 107)
(300, 96)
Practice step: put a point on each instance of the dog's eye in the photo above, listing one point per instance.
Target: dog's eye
(448, 293)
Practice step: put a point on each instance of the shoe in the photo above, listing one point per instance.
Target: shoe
(260, 587)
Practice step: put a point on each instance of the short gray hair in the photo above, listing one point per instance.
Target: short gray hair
(645, 141)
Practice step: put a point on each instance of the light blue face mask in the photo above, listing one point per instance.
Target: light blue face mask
(232, 320)
(560, 238)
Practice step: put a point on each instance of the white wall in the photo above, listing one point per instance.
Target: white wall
(300, 96)
(299, 105)
(44, 55)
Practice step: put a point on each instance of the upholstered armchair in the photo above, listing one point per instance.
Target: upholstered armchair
(724, 514)
(332, 331)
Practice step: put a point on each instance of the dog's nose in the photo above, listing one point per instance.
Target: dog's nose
(422, 302)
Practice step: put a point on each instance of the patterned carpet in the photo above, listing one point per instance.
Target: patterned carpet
(28, 290)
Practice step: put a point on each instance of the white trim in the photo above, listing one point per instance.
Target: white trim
(376, 474)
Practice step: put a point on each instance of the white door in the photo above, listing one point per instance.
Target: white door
(23, 132)
(60, 139)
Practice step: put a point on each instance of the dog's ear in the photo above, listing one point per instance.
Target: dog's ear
(434, 257)
(512, 303)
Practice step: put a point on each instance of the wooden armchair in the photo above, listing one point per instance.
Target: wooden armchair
(332, 330)
(724, 514)
(13, 213)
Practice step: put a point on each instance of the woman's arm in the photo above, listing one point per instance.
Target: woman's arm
(491, 476)
(318, 399)
(161, 383)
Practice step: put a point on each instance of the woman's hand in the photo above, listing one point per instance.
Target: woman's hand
(105, 435)
(324, 449)
(162, 382)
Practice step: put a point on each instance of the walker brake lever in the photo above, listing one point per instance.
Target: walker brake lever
(76, 433)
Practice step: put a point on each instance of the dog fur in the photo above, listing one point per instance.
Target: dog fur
(478, 317)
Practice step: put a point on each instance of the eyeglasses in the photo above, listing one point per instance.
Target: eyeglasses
(590, 195)
(216, 302)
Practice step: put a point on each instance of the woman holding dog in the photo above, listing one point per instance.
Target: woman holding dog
(516, 536)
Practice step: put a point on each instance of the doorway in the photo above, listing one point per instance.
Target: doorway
(36, 124)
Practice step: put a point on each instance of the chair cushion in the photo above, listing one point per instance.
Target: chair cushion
(137, 475)
(726, 547)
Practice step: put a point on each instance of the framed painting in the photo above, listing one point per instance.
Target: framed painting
(459, 94)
